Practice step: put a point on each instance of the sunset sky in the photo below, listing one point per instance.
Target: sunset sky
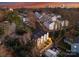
(38, 4)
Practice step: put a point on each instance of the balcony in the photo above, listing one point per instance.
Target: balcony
(45, 45)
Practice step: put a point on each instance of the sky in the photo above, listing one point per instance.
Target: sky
(35, 4)
(27, 3)
(7, 2)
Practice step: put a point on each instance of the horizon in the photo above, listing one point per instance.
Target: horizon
(38, 4)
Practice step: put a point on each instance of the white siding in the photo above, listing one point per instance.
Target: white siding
(47, 35)
(51, 26)
(24, 19)
(42, 39)
(66, 22)
(54, 18)
(62, 23)
(58, 16)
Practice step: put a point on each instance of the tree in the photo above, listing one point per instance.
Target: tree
(13, 17)
(1, 31)
(19, 49)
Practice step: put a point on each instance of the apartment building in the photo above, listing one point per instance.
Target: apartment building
(43, 41)
(51, 21)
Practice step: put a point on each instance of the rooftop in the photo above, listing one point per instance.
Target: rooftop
(38, 33)
(75, 47)
(77, 39)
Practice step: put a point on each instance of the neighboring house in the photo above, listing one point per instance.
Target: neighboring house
(51, 53)
(26, 20)
(38, 15)
(74, 45)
